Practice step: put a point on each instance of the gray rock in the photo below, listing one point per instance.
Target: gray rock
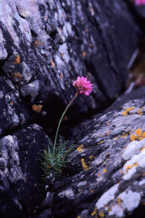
(20, 171)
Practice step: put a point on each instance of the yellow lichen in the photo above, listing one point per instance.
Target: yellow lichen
(94, 212)
(130, 109)
(84, 165)
(126, 111)
(100, 142)
(131, 166)
(80, 148)
(119, 200)
(91, 157)
(104, 170)
(101, 214)
(108, 209)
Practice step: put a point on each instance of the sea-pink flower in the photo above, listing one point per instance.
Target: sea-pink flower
(83, 85)
(140, 2)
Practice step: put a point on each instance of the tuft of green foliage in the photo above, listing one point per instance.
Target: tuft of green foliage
(54, 159)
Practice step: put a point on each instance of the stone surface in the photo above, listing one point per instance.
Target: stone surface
(44, 46)
(107, 176)
(20, 174)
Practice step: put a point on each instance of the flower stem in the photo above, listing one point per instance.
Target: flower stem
(61, 119)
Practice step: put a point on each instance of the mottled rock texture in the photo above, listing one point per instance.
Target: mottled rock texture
(20, 171)
(44, 46)
(108, 164)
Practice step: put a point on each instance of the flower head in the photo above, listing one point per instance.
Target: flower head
(140, 2)
(83, 85)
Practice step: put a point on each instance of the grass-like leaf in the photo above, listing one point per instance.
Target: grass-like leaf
(54, 159)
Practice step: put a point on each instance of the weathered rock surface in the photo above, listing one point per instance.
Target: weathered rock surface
(44, 45)
(13, 111)
(20, 172)
(108, 164)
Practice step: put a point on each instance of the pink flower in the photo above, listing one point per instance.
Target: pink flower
(83, 85)
(140, 2)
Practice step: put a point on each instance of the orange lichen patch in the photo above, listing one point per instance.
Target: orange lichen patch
(101, 214)
(133, 137)
(11, 103)
(119, 200)
(37, 108)
(17, 59)
(124, 113)
(104, 170)
(140, 111)
(52, 63)
(84, 165)
(84, 54)
(92, 190)
(48, 166)
(94, 212)
(139, 135)
(131, 166)
(17, 75)
(80, 148)
(138, 132)
(142, 150)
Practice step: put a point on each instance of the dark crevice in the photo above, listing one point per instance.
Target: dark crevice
(138, 213)
(136, 16)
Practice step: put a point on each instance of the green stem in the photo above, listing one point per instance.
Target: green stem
(61, 118)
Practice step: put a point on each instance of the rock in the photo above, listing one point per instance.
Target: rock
(13, 111)
(109, 180)
(21, 187)
(46, 45)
